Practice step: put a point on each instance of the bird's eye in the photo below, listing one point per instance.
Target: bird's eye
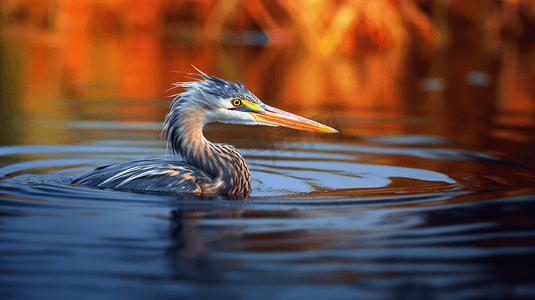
(236, 102)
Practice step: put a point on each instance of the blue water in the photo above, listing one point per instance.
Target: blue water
(389, 216)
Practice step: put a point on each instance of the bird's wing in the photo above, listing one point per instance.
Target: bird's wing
(152, 174)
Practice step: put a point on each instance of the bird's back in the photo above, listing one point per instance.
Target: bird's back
(152, 174)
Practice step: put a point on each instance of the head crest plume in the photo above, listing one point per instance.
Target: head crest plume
(211, 85)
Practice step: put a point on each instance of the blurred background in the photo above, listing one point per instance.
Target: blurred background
(467, 61)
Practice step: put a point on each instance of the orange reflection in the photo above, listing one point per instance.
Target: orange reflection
(416, 56)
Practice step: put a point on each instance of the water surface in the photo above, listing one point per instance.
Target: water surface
(369, 213)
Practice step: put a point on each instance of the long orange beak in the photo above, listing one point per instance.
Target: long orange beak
(274, 116)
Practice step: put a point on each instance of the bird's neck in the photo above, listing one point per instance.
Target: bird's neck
(225, 164)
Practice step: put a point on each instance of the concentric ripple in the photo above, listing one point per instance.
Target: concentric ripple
(289, 173)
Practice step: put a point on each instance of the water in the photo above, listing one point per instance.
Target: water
(376, 212)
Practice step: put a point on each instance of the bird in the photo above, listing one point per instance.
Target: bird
(196, 165)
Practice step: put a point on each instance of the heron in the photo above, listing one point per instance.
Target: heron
(197, 165)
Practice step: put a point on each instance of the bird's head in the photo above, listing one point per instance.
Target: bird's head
(229, 102)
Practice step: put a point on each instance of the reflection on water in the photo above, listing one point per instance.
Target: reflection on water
(381, 217)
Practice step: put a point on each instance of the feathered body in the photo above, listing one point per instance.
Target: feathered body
(205, 167)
